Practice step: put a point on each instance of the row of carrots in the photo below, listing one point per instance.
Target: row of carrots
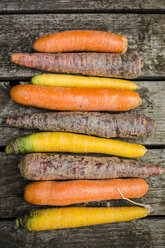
(69, 131)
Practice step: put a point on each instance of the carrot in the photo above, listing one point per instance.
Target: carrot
(74, 99)
(69, 217)
(71, 192)
(43, 166)
(95, 64)
(81, 40)
(68, 142)
(59, 80)
(92, 123)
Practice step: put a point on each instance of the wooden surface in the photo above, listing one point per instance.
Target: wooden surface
(79, 5)
(142, 22)
(147, 40)
(153, 105)
(12, 187)
(146, 233)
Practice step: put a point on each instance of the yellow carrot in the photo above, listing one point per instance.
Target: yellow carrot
(70, 217)
(82, 82)
(69, 142)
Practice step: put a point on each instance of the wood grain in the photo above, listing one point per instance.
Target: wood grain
(146, 38)
(12, 187)
(153, 105)
(148, 233)
(145, 35)
(77, 5)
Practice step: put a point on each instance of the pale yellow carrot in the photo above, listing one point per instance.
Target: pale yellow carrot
(69, 142)
(59, 80)
(70, 217)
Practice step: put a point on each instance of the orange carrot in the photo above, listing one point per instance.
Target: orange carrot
(71, 192)
(81, 40)
(82, 99)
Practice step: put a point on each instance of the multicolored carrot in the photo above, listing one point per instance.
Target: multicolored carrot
(44, 166)
(94, 64)
(60, 80)
(71, 192)
(81, 40)
(92, 123)
(70, 217)
(68, 142)
(75, 99)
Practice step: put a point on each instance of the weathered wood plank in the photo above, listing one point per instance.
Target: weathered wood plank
(144, 32)
(147, 233)
(12, 187)
(55, 6)
(153, 105)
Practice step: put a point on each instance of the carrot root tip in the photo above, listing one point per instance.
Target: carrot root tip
(13, 57)
(126, 46)
(160, 170)
(18, 222)
(7, 150)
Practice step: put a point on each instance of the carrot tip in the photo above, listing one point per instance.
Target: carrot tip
(7, 121)
(18, 222)
(13, 57)
(125, 45)
(7, 150)
(160, 170)
(33, 80)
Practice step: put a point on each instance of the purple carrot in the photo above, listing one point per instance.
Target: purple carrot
(44, 166)
(92, 123)
(98, 64)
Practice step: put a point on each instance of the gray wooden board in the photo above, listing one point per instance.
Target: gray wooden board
(147, 233)
(146, 38)
(55, 6)
(145, 35)
(12, 187)
(153, 105)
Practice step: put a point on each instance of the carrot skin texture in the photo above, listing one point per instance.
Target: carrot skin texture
(91, 123)
(81, 40)
(72, 192)
(70, 217)
(75, 99)
(60, 80)
(68, 142)
(43, 166)
(95, 64)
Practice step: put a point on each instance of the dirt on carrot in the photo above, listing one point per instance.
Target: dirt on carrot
(93, 123)
(95, 64)
(46, 166)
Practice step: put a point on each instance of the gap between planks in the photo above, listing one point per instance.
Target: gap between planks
(84, 11)
(82, 6)
(140, 233)
(12, 186)
(17, 80)
(144, 32)
(151, 92)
